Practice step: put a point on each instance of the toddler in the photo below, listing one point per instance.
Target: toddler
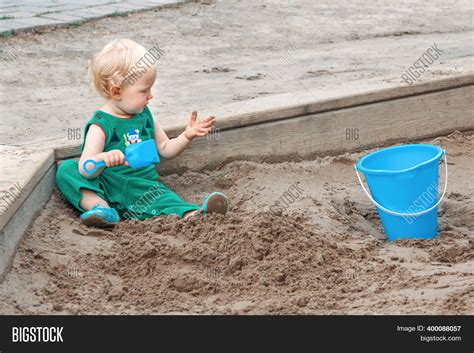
(124, 119)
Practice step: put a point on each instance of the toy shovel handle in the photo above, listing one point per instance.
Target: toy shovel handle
(96, 165)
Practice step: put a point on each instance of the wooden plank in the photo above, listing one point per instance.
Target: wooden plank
(306, 102)
(22, 166)
(12, 233)
(296, 104)
(377, 124)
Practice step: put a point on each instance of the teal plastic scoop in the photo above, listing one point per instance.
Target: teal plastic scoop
(138, 155)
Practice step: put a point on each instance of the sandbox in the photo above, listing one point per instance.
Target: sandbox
(300, 236)
(320, 251)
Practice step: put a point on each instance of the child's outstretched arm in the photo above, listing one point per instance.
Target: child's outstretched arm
(169, 148)
(93, 149)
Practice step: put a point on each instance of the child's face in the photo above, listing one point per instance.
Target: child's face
(134, 98)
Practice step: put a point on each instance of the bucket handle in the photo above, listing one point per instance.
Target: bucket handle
(407, 214)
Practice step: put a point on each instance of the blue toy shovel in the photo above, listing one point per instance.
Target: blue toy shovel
(138, 155)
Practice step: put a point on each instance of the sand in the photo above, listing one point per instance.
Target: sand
(324, 253)
(229, 51)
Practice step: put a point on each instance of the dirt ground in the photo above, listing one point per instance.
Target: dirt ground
(226, 52)
(323, 254)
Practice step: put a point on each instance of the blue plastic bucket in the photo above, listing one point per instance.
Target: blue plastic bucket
(403, 184)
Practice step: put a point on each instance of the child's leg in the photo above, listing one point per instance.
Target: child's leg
(82, 193)
(96, 216)
(215, 202)
(90, 198)
(190, 213)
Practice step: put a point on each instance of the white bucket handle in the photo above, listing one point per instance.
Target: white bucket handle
(407, 214)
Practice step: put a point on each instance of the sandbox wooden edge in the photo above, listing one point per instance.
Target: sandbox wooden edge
(302, 103)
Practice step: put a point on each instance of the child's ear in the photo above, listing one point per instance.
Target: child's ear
(116, 92)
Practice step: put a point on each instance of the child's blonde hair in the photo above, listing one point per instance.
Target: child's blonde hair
(114, 63)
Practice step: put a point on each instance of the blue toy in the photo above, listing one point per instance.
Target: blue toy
(138, 155)
(403, 183)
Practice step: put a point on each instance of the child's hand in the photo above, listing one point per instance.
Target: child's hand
(113, 158)
(198, 128)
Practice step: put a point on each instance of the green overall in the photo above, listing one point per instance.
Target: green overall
(134, 193)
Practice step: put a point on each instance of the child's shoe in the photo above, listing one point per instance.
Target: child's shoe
(215, 202)
(100, 216)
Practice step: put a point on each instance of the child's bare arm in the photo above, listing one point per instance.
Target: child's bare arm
(169, 148)
(93, 149)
